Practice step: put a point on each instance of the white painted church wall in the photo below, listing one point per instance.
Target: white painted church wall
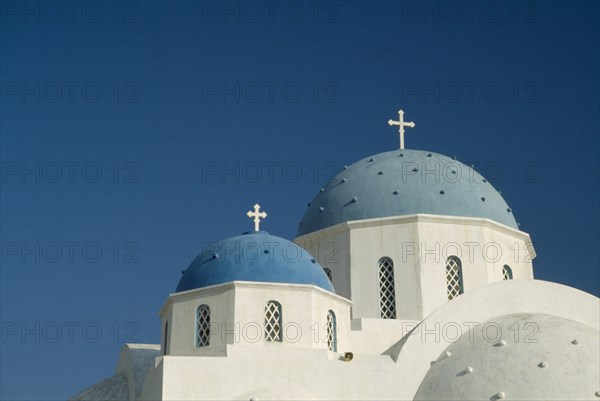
(415, 352)
(238, 316)
(275, 373)
(180, 311)
(419, 246)
(375, 336)
(281, 372)
(331, 250)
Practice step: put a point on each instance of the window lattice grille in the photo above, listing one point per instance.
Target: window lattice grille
(273, 321)
(507, 273)
(331, 332)
(454, 277)
(387, 292)
(203, 326)
(329, 274)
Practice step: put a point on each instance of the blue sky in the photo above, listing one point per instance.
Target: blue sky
(134, 133)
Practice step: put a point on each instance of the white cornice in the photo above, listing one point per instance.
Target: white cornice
(417, 218)
(220, 288)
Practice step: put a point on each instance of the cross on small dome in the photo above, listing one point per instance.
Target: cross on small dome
(257, 216)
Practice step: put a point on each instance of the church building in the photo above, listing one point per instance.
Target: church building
(409, 279)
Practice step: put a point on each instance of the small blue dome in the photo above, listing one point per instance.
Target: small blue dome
(404, 182)
(256, 256)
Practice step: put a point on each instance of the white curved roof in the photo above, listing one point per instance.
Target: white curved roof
(134, 362)
(115, 388)
(518, 357)
(415, 352)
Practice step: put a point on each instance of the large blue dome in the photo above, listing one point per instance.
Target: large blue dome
(404, 182)
(255, 256)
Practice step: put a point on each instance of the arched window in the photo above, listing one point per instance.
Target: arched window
(166, 337)
(328, 272)
(331, 331)
(507, 273)
(273, 321)
(387, 292)
(454, 281)
(203, 326)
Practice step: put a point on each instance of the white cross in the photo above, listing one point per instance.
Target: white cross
(401, 124)
(257, 215)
